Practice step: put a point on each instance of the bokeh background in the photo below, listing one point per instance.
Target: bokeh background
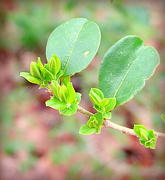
(39, 144)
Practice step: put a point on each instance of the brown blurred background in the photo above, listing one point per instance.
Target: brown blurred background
(39, 144)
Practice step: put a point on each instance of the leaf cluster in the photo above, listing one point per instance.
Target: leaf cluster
(103, 106)
(147, 136)
(64, 98)
(93, 125)
(43, 74)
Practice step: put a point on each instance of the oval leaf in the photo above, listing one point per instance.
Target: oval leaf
(86, 130)
(72, 109)
(125, 67)
(30, 78)
(75, 42)
(58, 105)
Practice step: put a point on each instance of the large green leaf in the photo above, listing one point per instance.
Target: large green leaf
(125, 67)
(75, 42)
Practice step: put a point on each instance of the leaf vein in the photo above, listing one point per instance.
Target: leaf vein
(71, 51)
(127, 73)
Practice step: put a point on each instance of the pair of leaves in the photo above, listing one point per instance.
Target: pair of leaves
(123, 71)
(93, 125)
(101, 104)
(147, 136)
(42, 74)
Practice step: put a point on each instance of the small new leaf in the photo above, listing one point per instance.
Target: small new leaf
(48, 75)
(137, 129)
(96, 96)
(54, 64)
(56, 104)
(69, 110)
(55, 88)
(71, 93)
(86, 130)
(111, 105)
(94, 124)
(34, 70)
(63, 93)
(31, 78)
(98, 130)
(144, 134)
(57, 63)
(99, 118)
(66, 80)
(41, 67)
(107, 115)
(101, 104)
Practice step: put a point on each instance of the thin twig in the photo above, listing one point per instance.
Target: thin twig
(84, 111)
(109, 124)
(123, 129)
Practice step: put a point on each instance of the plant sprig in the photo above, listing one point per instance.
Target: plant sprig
(122, 74)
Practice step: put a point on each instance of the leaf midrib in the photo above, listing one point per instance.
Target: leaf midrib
(71, 51)
(140, 49)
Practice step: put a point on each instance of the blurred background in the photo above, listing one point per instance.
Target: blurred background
(39, 144)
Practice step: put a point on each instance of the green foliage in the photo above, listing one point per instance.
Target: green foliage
(64, 98)
(43, 74)
(101, 104)
(93, 125)
(76, 43)
(123, 71)
(63, 103)
(147, 137)
(86, 130)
